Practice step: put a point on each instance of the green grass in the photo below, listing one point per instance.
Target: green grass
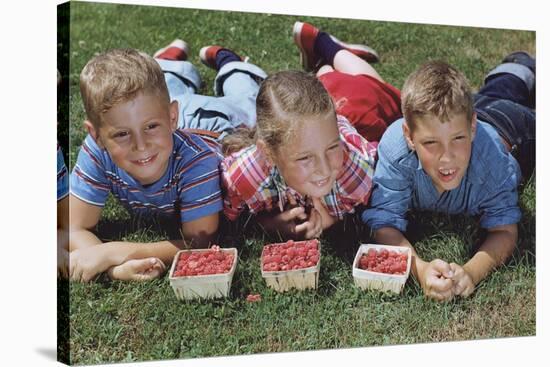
(116, 321)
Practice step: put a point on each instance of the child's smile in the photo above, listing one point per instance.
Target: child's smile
(322, 182)
(145, 161)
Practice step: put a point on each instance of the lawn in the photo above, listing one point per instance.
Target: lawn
(111, 321)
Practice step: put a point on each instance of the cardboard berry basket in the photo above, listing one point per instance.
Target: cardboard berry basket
(202, 286)
(284, 280)
(366, 279)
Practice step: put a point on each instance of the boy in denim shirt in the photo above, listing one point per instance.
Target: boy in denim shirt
(457, 153)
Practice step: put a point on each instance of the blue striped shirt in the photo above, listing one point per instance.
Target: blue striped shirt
(190, 186)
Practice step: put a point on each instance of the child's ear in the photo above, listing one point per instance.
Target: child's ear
(473, 126)
(407, 135)
(94, 133)
(174, 115)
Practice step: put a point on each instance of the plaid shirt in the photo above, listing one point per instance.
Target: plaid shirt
(250, 182)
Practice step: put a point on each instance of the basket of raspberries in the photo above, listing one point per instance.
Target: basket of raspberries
(382, 267)
(203, 273)
(291, 265)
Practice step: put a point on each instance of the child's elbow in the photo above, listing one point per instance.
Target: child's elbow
(511, 232)
(201, 232)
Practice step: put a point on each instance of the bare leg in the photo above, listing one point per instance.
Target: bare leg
(347, 62)
(324, 69)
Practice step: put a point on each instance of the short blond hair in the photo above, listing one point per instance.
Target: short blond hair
(436, 88)
(118, 76)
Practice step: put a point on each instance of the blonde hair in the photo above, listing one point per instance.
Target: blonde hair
(284, 100)
(118, 76)
(436, 88)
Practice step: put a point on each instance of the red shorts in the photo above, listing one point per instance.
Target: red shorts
(368, 104)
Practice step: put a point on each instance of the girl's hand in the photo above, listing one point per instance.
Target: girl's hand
(327, 219)
(312, 227)
(308, 225)
(138, 269)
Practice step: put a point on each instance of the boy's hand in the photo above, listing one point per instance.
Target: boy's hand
(463, 285)
(436, 281)
(62, 263)
(138, 269)
(87, 262)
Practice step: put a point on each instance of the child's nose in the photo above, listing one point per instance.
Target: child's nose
(139, 143)
(323, 166)
(447, 154)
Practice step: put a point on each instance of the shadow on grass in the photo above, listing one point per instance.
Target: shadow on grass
(138, 228)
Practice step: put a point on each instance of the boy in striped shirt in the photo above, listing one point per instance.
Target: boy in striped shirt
(135, 151)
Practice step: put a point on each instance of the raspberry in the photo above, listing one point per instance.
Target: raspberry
(384, 261)
(212, 261)
(290, 256)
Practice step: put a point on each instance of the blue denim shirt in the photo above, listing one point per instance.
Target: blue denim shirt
(488, 189)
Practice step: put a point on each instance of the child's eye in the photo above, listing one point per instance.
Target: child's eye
(460, 137)
(304, 158)
(335, 146)
(429, 142)
(120, 134)
(152, 126)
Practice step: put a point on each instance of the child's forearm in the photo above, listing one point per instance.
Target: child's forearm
(82, 238)
(497, 248)
(328, 221)
(271, 223)
(120, 252)
(90, 259)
